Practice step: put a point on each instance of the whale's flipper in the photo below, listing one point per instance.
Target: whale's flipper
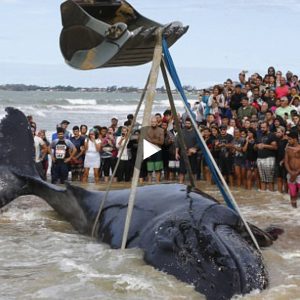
(16, 155)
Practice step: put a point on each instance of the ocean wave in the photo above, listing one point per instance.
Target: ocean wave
(82, 101)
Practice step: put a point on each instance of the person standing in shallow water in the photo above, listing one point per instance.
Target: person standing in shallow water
(292, 164)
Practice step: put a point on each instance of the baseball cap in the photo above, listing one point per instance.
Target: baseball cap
(114, 117)
(65, 122)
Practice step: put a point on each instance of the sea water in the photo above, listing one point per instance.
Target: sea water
(43, 257)
(50, 108)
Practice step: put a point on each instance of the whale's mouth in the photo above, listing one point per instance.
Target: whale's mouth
(248, 261)
(214, 257)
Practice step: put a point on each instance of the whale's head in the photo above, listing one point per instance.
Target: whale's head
(207, 250)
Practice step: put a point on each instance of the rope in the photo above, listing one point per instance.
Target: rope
(178, 127)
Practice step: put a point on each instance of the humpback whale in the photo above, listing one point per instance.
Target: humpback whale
(182, 231)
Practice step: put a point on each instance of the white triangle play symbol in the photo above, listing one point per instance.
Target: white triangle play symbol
(149, 149)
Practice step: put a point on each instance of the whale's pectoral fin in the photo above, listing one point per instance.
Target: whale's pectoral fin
(263, 237)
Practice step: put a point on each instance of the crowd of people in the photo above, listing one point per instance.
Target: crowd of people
(250, 126)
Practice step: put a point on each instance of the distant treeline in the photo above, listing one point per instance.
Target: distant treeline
(61, 88)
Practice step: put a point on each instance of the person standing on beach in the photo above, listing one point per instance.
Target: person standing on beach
(224, 145)
(44, 154)
(83, 131)
(235, 101)
(114, 124)
(109, 154)
(292, 164)
(156, 136)
(124, 170)
(77, 160)
(92, 147)
(191, 144)
(64, 125)
(283, 89)
(62, 151)
(266, 146)
(40, 150)
(284, 109)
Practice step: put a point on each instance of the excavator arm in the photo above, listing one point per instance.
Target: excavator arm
(101, 33)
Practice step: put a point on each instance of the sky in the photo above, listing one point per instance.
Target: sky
(225, 37)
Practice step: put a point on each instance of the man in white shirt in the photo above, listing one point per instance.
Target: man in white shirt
(39, 147)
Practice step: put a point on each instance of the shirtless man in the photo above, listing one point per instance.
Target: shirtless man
(156, 136)
(292, 164)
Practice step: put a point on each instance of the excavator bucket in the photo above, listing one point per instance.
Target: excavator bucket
(109, 33)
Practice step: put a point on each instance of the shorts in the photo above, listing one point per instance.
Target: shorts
(155, 166)
(226, 165)
(266, 169)
(193, 164)
(294, 187)
(280, 171)
(239, 161)
(173, 164)
(250, 165)
(77, 168)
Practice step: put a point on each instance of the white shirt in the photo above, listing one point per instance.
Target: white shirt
(38, 143)
(126, 155)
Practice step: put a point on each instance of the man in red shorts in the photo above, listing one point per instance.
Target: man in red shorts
(292, 164)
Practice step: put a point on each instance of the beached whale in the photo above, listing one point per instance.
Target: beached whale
(182, 231)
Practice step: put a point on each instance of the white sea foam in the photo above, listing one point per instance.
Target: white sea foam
(82, 101)
(290, 255)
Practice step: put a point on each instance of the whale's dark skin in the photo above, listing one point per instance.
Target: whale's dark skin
(183, 232)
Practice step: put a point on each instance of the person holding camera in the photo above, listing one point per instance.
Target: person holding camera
(92, 146)
(216, 102)
(109, 154)
(124, 172)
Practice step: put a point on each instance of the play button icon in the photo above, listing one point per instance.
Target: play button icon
(149, 149)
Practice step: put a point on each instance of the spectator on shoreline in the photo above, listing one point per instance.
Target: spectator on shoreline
(266, 146)
(124, 169)
(283, 89)
(156, 136)
(280, 168)
(76, 162)
(62, 151)
(224, 145)
(109, 154)
(292, 164)
(92, 147)
(191, 144)
(235, 102)
(246, 110)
